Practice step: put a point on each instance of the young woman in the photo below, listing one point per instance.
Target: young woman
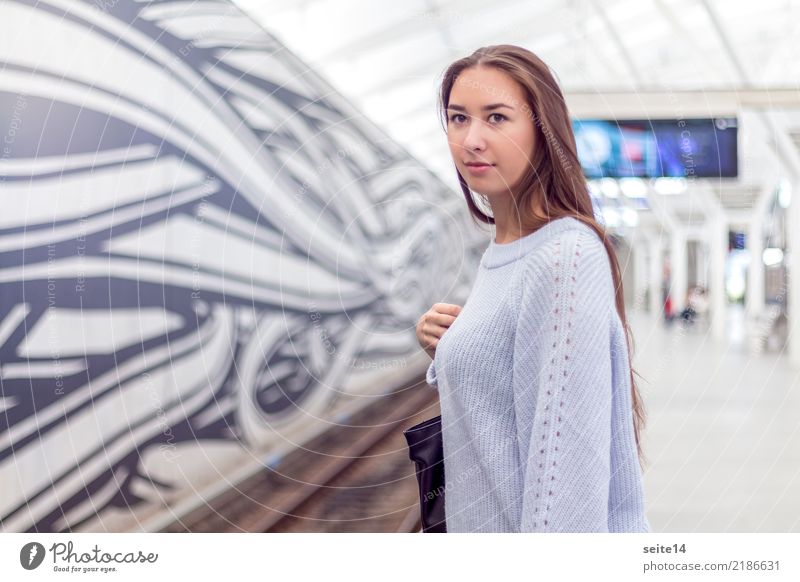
(540, 412)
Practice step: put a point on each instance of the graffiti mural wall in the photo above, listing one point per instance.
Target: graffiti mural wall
(202, 247)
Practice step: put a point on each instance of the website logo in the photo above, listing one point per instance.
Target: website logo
(31, 555)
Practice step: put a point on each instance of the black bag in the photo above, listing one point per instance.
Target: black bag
(425, 449)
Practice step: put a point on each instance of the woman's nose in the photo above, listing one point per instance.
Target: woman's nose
(474, 139)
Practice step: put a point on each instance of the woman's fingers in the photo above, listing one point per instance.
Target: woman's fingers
(444, 314)
(446, 308)
(434, 323)
(434, 331)
(441, 320)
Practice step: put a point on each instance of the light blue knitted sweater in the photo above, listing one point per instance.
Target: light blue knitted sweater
(535, 393)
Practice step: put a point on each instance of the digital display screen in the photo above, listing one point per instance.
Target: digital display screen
(658, 148)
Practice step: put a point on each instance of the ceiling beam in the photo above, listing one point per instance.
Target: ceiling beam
(660, 103)
(783, 147)
(733, 56)
(616, 38)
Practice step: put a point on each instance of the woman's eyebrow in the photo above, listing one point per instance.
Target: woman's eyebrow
(484, 108)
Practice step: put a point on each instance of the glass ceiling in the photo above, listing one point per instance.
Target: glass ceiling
(387, 57)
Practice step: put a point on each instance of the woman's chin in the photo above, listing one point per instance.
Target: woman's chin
(492, 193)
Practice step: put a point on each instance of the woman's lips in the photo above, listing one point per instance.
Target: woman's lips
(479, 169)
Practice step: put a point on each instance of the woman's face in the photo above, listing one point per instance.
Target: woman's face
(490, 130)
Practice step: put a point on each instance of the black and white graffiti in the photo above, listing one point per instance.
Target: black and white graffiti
(200, 241)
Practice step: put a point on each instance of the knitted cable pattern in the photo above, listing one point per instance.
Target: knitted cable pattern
(535, 394)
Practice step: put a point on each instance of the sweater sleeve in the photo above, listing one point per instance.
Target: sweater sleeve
(626, 495)
(430, 376)
(562, 382)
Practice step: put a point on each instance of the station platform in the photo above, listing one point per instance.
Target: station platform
(722, 438)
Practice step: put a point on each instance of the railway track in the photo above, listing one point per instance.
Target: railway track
(356, 477)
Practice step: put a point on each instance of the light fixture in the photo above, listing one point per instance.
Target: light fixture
(633, 187)
(611, 217)
(785, 193)
(772, 257)
(668, 186)
(609, 187)
(630, 217)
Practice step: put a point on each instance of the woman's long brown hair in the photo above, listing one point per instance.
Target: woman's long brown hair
(555, 171)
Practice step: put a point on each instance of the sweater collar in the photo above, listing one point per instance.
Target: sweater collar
(497, 255)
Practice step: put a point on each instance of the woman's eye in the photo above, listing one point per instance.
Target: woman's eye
(460, 118)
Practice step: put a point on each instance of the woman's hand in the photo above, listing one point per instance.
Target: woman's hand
(434, 323)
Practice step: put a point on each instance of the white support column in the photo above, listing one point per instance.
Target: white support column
(702, 262)
(717, 247)
(655, 269)
(679, 275)
(640, 273)
(718, 254)
(793, 275)
(754, 300)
